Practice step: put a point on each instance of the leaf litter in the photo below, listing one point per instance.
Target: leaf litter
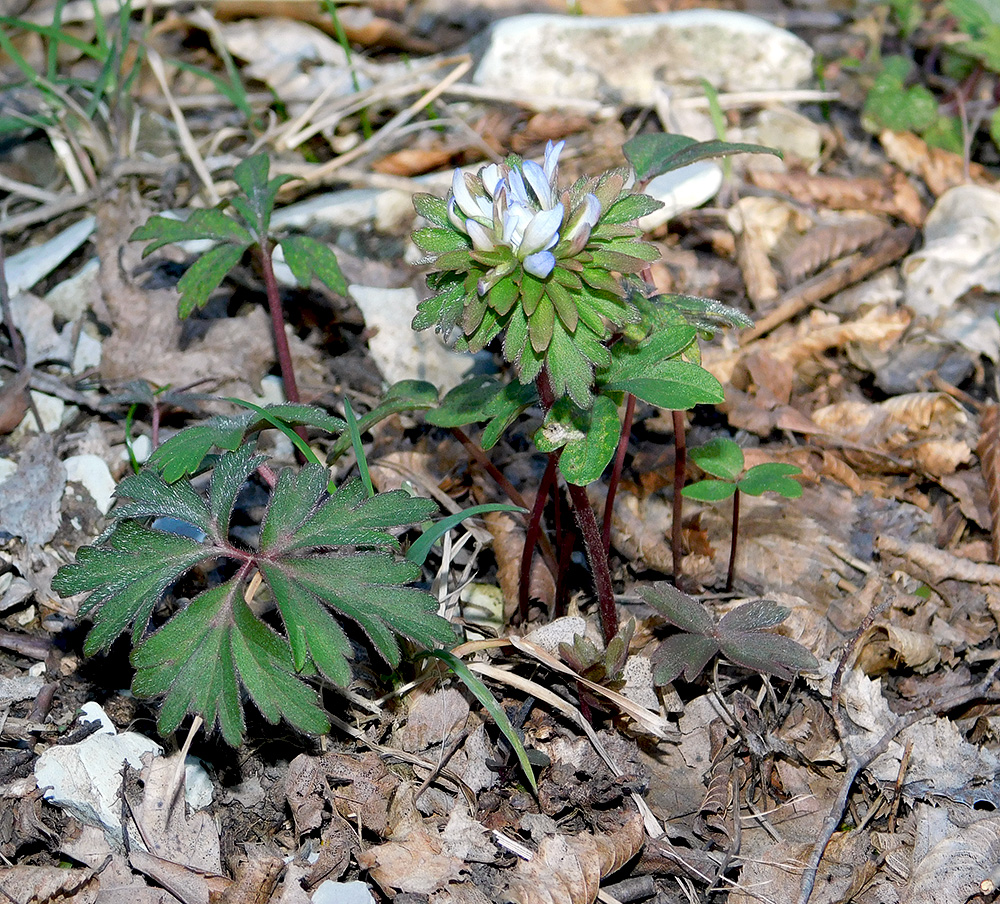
(886, 566)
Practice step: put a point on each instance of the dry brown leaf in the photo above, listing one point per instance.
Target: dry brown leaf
(988, 450)
(940, 169)
(894, 196)
(49, 885)
(508, 543)
(568, 868)
(937, 565)
(828, 242)
(14, 400)
(413, 161)
(958, 868)
(434, 718)
(759, 223)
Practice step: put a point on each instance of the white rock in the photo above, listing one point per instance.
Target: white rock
(52, 411)
(92, 472)
(7, 467)
(94, 712)
(85, 778)
(791, 133)
(680, 190)
(27, 267)
(87, 355)
(71, 298)
(622, 60)
(400, 352)
(330, 892)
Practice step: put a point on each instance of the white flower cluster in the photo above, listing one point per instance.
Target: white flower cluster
(503, 206)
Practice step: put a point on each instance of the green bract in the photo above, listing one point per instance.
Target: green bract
(513, 256)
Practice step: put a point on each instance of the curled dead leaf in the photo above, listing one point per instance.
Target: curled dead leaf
(568, 868)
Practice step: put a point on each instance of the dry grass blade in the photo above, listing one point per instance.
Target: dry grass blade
(988, 450)
(568, 868)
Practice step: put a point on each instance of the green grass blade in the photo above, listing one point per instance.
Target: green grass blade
(482, 693)
(359, 451)
(297, 440)
(419, 551)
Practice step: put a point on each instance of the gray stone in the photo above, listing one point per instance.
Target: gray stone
(623, 60)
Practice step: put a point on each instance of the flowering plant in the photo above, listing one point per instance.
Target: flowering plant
(511, 254)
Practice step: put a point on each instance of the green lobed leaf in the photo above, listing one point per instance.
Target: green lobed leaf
(753, 616)
(444, 309)
(720, 457)
(204, 275)
(630, 208)
(571, 372)
(653, 154)
(150, 496)
(126, 576)
(772, 477)
(467, 403)
(432, 209)
(307, 258)
(583, 460)
(709, 490)
(682, 654)
(251, 176)
(770, 653)
(184, 452)
(212, 224)
(675, 385)
(437, 241)
(347, 518)
(230, 474)
(678, 608)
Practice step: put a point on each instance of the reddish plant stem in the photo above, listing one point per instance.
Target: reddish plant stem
(548, 554)
(587, 522)
(680, 471)
(278, 322)
(616, 472)
(532, 536)
(734, 541)
(567, 541)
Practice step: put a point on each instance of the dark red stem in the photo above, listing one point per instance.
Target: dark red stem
(512, 492)
(278, 323)
(587, 522)
(734, 541)
(680, 471)
(532, 536)
(616, 471)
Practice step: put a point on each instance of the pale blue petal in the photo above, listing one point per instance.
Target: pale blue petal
(540, 264)
(515, 221)
(542, 232)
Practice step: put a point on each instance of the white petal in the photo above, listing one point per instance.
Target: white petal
(542, 232)
(463, 197)
(540, 264)
(552, 152)
(515, 221)
(454, 215)
(518, 194)
(536, 178)
(481, 238)
(584, 219)
(492, 177)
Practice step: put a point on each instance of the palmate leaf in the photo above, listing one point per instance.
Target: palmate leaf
(321, 556)
(212, 225)
(307, 258)
(740, 636)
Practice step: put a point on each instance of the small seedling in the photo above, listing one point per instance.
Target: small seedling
(605, 667)
(247, 227)
(723, 459)
(741, 636)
